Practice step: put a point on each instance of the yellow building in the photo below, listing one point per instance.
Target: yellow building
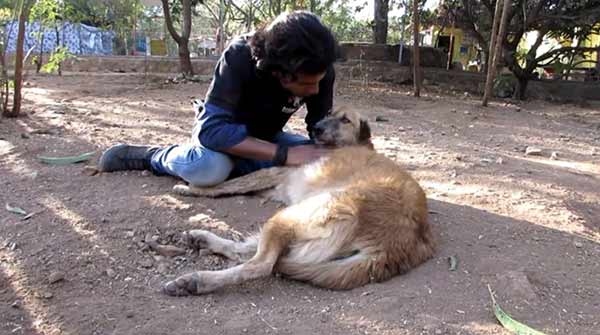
(592, 57)
(462, 46)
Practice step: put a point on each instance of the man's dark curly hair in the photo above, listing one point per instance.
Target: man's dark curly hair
(293, 43)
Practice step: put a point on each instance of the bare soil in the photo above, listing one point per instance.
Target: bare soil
(527, 225)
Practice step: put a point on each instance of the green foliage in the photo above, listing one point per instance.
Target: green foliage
(564, 20)
(59, 55)
(44, 11)
(340, 16)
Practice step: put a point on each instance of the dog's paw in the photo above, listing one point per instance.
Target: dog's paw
(184, 190)
(199, 239)
(189, 284)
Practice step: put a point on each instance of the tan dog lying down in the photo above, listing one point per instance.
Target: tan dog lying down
(353, 218)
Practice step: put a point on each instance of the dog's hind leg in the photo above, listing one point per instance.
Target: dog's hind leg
(203, 239)
(274, 239)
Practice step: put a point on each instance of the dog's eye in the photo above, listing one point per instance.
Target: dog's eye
(345, 120)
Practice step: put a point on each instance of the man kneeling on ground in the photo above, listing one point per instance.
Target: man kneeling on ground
(260, 80)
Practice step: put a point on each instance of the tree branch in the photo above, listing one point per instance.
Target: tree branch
(187, 20)
(169, 21)
(210, 11)
(565, 50)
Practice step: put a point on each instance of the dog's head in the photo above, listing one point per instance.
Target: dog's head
(342, 127)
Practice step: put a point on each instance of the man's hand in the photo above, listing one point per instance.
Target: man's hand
(303, 154)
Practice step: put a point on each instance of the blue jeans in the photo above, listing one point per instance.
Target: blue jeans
(200, 166)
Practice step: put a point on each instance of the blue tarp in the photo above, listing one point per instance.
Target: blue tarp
(79, 38)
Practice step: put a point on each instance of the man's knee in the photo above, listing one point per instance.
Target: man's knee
(210, 172)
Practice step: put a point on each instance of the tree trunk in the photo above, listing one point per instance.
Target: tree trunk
(491, 55)
(521, 88)
(380, 27)
(40, 60)
(19, 64)
(185, 63)
(416, 53)
(58, 41)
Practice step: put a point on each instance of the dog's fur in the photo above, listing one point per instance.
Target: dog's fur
(353, 217)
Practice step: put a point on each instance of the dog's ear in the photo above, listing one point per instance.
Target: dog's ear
(364, 132)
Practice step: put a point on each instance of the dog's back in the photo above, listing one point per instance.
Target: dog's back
(372, 222)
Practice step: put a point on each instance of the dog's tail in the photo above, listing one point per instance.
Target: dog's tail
(354, 269)
(352, 265)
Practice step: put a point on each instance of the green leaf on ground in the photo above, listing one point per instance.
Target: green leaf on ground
(508, 322)
(453, 263)
(16, 210)
(66, 160)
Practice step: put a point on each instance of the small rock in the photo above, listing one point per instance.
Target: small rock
(533, 151)
(47, 295)
(24, 136)
(438, 331)
(381, 119)
(146, 263)
(145, 173)
(162, 268)
(578, 245)
(129, 234)
(90, 171)
(554, 155)
(110, 273)
(401, 129)
(199, 218)
(55, 277)
(453, 110)
(516, 285)
(499, 160)
(16, 304)
(129, 314)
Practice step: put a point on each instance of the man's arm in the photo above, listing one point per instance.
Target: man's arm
(262, 150)
(319, 105)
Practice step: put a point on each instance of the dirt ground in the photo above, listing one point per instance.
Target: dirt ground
(527, 225)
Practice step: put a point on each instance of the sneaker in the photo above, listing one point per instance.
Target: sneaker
(126, 157)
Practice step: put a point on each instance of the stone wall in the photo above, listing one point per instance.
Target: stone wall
(430, 57)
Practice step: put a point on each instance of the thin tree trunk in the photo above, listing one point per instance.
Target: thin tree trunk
(491, 55)
(416, 53)
(40, 60)
(380, 28)
(19, 63)
(185, 63)
(521, 88)
(451, 47)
